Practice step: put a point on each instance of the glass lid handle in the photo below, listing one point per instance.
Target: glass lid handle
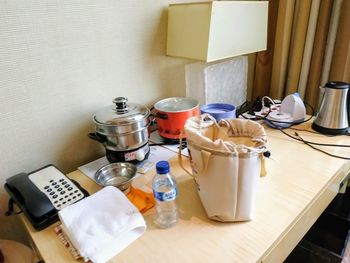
(121, 105)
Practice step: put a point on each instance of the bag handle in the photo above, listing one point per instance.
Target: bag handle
(203, 118)
(263, 167)
(208, 117)
(205, 160)
(180, 156)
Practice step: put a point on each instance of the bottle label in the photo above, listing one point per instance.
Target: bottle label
(165, 196)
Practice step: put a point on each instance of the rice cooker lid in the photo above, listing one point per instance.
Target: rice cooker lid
(122, 113)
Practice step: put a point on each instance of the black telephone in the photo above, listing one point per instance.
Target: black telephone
(42, 193)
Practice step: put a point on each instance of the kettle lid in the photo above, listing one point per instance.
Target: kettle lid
(337, 85)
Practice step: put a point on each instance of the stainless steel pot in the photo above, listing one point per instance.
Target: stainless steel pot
(119, 174)
(123, 129)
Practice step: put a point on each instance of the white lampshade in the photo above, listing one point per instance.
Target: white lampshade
(211, 31)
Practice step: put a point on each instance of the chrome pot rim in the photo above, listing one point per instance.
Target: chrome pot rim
(108, 173)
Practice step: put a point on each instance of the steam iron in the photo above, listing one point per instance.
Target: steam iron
(291, 111)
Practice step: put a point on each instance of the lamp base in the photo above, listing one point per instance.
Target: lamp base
(218, 82)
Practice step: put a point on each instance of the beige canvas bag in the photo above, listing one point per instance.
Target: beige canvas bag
(227, 161)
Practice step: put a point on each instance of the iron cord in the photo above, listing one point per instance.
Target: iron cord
(310, 144)
(297, 136)
(304, 130)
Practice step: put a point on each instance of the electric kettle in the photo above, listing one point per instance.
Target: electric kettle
(333, 116)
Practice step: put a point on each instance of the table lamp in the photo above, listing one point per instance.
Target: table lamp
(217, 30)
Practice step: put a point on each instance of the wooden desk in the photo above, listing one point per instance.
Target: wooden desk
(300, 183)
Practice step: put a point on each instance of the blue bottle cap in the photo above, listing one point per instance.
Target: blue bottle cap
(162, 167)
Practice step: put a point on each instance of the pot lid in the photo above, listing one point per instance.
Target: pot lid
(122, 113)
(337, 85)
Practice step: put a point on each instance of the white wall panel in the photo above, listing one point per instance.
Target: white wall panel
(60, 60)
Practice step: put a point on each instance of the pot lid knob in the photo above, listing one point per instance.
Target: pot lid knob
(121, 105)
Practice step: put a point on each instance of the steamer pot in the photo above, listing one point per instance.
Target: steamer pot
(172, 113)
(123, 130)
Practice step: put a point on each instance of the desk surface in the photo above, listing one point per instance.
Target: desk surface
(300, 183)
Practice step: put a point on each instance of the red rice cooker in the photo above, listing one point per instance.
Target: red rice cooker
(172, 113)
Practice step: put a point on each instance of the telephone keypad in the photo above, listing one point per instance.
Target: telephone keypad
(56, 186)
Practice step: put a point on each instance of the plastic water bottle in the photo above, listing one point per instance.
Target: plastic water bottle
(165, 192)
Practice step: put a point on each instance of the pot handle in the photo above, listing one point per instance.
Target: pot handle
(157, 114)
(163, 116)
(97, 137)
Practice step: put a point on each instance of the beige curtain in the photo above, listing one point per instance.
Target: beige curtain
(318, 51)
(263, 65)
(309, 42)
(340, 67)
(282, 44)
(308, 45)
(295, 56)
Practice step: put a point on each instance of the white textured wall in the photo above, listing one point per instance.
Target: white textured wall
(60, 60)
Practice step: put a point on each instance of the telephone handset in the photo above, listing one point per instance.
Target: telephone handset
(42, 193)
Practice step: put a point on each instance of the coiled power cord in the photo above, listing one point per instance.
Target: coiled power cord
(260, 104)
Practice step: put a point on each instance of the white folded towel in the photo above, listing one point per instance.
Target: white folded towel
(102, 225)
